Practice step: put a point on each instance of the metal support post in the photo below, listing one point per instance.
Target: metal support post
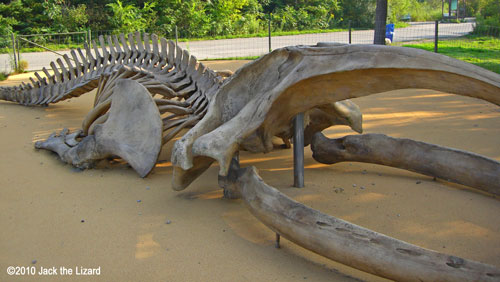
(436, 36)
(17, 49)
(298, 151)
(350, 32)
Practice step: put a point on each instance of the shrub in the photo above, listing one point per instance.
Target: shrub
(3, 76)
(488, 19)
(22, 65)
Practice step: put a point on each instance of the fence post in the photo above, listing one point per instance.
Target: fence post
(176, 36)
(90, 37)
(298, 151)
(436, 35)
(14, 50)
(350, 32)
(17, 45)
(269, 31)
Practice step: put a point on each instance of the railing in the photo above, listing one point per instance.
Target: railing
(420, 35)
(45, 41)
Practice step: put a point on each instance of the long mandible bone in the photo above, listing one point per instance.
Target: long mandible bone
(450, 164)
(351, 244)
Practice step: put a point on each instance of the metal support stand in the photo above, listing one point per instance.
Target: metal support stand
(298, 151)
(436, 36)
(350, 32)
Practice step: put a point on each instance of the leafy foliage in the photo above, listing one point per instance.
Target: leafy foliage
(489, 13)
(63, 17)
(130, 17)
(210, 18)
(3, 76)
(361, 13)
(417, 10)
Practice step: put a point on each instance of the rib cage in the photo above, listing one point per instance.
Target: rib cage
(183, 83)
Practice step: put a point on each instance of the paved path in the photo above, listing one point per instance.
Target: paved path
(241, 47)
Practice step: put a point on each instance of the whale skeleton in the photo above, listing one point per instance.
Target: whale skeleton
(147, 93)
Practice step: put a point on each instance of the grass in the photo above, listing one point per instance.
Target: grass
(483, 51)
(52, 46)
(233, 58)
(3, 76)
(401, 24)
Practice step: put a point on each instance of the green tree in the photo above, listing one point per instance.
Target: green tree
(419, 10)
(130, 18)
(99, 15)
(489, 14)
(361, 13)
(5, 30)
(15, 16)
(224, 14)
(299, 14)
(192, 19)
(397, 9)
(65, 17)
(253, 20)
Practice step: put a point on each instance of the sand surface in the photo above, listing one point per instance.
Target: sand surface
(125, 232)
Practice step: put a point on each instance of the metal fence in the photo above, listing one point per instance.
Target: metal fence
(479, 45)
(47, 42)
(426, 35)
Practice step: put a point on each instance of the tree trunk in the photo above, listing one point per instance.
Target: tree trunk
(380, 22)
(449, 9)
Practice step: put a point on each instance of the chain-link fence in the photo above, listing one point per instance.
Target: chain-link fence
(19, 51)
(479, 45)
(465, 40)
(7, 58)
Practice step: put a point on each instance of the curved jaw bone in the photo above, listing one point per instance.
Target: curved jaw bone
(258, 102)
(450, 164)
(260, 99)
(348, 243)
(133, 131)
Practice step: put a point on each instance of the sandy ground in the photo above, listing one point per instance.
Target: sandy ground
(125, 232)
